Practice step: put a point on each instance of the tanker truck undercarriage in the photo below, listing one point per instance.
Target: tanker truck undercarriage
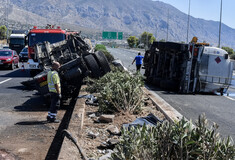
(76, 63)
(188, 68)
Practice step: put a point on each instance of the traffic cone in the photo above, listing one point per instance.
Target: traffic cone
(22, 67)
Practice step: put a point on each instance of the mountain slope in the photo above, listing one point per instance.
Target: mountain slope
(130, 16)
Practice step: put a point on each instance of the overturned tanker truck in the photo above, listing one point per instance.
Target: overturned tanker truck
(188, 68)
(76, 61)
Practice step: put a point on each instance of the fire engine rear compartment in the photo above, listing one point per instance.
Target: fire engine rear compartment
(188, 68)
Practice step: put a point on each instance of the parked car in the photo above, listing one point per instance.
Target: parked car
(9, 59)
(24, 55)
(5, 47)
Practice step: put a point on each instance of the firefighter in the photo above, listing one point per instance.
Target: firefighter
(54, 87)
(138, 60)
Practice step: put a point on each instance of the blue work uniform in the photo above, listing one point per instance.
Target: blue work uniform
(138, 60)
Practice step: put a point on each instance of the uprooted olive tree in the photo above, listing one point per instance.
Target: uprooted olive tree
(177, 141)
(118, 91)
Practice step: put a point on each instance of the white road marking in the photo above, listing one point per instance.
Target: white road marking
(5, 80)
(131, 57)
(230, 98)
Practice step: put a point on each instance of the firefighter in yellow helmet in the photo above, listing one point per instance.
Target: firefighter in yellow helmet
(54, 87)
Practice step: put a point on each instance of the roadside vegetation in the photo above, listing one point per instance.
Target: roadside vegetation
(174, 141)
(145, 40)
(230, 51)
(3, 32)
(118, 91)
(132, 41)
(101, 47)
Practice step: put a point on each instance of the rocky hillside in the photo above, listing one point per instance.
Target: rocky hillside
(129, 16)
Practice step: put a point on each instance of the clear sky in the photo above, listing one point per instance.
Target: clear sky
(207, 9)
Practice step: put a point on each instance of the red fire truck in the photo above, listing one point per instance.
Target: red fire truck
(35, 36)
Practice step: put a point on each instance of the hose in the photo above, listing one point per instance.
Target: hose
(70, 137)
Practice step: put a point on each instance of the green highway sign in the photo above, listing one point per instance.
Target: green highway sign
(112, 35)
(109, 35)
(120, 35)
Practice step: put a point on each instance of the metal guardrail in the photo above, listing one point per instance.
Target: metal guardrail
(216, 79)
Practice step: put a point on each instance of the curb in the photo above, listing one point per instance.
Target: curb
(169, 112)
(68, 149)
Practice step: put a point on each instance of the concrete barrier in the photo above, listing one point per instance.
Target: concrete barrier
(68, 149)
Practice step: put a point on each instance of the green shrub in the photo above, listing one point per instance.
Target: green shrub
(174, 141)
(232, 56)
(118, 92)
(99, 47)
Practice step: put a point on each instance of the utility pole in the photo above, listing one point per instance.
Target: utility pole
(156, 33)
(147, 41)
(220, 23)
(167, 26)
(6, 12)
(188, 20)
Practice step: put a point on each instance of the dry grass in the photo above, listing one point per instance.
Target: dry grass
(3, 41)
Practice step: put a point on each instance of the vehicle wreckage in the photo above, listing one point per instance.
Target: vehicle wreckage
(188, 68)
(77, 61)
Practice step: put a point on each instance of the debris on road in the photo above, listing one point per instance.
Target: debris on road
(113, 130)
(105, 118)
(92, 135)
(91, 99)
(150, 120)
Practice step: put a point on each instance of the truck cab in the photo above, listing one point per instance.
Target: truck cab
(35, 36)
(17, 42)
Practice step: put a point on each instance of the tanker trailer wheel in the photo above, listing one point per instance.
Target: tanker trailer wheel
(102, 61)
(92, 66)
(169, 85)
(157, 81)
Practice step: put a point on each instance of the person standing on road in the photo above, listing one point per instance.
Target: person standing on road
(53, 80)
(138, 60)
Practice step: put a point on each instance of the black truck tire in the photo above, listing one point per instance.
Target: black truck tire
(102, 61)
(93, 66)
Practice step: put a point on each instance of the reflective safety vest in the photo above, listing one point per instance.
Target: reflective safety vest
(52, 79)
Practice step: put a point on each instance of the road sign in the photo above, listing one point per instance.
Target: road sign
(120, 35)
(109, 35)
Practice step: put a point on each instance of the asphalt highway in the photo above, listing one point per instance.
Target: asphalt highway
(15, 98)
(218, 109)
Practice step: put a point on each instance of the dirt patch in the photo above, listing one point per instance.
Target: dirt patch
(30, 138)
(6, 155)
(93, 147)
